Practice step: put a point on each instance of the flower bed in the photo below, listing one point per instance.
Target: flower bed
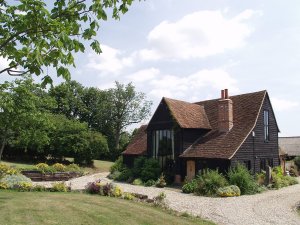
(35, 175)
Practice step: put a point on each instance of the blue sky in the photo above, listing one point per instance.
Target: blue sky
(190, 50)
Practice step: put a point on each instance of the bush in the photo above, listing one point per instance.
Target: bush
(93, 187)
(209, 182)
(38, 188)
(161, 181)
(106, 189)
(12, 181)
(150, 170)
(23, 186)
(294, 171)
(114, 175)
(279, 180)
(260, 178)
(150, 183)
(297, 161)
(43, 167)
(117, 191)
(229, 191)
(59, 167)
(138, 165)
(59, 187)
(241, 177)
(159, 200)
(125, 175)
(190, 187)
(128, 196)
(117, 166)
(73, 168)
(7, 170)
(137, 181)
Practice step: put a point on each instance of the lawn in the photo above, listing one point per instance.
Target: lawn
(77, 208)
(99, 166)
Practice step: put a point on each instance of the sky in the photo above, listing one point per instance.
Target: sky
(190, 50)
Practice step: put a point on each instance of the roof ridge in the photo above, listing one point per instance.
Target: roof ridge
(214, 99)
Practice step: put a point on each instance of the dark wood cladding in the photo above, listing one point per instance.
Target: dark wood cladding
(256, 148)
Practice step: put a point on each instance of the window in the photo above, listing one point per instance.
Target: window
(247, 164)
(163, 145)
(266, 125)
(262, 164)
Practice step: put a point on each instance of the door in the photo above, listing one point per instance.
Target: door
(190, 170)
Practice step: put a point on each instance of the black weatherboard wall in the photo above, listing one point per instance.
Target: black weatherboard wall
(255, 148)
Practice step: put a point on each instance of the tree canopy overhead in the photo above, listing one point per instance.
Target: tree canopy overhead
(35, 35)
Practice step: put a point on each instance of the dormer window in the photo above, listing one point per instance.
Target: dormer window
(266, 125)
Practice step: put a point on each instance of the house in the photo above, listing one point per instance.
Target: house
(187, 138)
(289, 148)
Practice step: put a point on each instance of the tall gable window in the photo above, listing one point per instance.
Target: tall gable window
(163, 145)
(266, 125)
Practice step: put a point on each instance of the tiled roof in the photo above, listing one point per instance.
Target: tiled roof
(215, 144)
(188, 115)
(290, 145)
(138, 145)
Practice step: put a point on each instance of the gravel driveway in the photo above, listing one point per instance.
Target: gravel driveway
(270, 207)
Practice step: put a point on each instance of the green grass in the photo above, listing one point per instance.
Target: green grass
(19, 165)
(99, 166)
(76, 208)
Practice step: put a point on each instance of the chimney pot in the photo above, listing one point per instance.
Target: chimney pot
(226, 93)
(222, 94)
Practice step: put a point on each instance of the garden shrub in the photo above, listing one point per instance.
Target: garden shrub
(159, 200)
(229, 191)
(7, 170)
(23, 186)
(106, 189)
(150, 170)
(279, 180)
(59, 187)
(294, 171)
(128, 196)
(3, 185)
(137, 181)
(118, 165)
(73, 168)
(59, 167)
(39, 188)
(117, 191)
(241, 177)
(150, 183)
(42, 167)
(209, 182)
(93, 187)
(260, 178)
(125, 175)
(138, 165)
(114, 175)
(13, 180)
(189, 187)
(161, 181)
(297, 161)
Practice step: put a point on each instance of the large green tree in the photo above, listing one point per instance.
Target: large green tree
(126, 107)
(35, 34)
(21, 114)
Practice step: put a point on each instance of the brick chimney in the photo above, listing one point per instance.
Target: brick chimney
(225, 112)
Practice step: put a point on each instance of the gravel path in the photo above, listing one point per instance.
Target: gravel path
(271, 207)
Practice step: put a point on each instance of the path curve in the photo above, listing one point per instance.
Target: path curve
(268, 208)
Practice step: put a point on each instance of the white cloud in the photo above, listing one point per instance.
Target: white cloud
(111, 60)
(192, 87)
(144, 75)
(280, 104)
(197, 35)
